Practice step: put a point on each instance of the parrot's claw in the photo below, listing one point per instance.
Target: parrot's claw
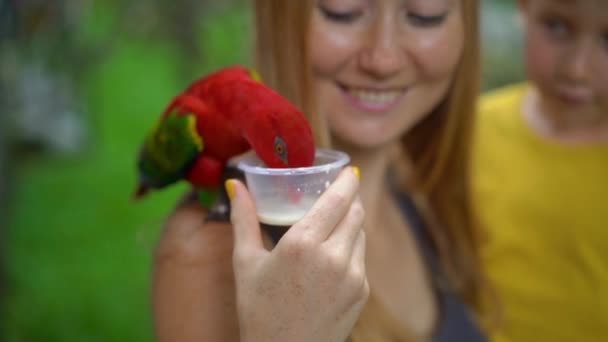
(219, 212)
(219, 209)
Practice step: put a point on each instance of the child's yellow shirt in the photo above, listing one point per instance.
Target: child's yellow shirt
(545, 208)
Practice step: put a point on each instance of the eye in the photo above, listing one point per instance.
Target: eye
(557, 27)
(346, 17)
(426, 21)
(280, 148)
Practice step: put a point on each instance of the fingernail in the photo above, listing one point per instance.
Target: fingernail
(357, 172)
(230, 190)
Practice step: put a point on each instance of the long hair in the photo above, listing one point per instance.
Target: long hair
(440, 150)
(439, 146)
(281, 56)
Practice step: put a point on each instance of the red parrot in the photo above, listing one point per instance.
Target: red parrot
(220, 116)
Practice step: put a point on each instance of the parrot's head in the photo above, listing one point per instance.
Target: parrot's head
(284, 140)
(168, 153)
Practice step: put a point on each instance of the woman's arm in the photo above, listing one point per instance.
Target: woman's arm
(193, 284)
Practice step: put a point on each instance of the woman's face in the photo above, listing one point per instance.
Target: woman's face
(380, 66)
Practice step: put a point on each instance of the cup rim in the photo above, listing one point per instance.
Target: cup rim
(340, 160)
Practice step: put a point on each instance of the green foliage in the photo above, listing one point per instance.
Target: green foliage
(79, 250)
(501, 44)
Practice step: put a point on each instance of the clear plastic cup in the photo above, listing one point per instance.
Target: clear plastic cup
(284, 196)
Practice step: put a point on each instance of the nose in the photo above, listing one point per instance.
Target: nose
(577, 62)
(382, 56)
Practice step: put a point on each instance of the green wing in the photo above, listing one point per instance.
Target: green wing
(169, 151)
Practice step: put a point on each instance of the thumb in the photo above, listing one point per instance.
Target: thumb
(247, 234)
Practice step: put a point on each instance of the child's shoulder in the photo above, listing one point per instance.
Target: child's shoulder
(504, 99)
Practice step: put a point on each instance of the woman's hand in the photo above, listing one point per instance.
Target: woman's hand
(312, 285)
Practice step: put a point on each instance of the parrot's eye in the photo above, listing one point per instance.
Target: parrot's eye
(280, 148)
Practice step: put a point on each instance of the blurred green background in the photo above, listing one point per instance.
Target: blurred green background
(81, 81)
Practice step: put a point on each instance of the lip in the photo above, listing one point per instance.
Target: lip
(574, 96)
(371, 106)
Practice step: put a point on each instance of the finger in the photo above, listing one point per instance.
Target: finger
(348, 230)
(247, 234)
(358, 256)
(330, 208)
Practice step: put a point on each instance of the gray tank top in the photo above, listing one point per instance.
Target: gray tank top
(456, 323)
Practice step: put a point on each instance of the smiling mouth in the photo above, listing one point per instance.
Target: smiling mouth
(373, 100)
(574, 96)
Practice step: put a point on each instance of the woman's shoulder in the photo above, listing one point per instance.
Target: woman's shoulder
(193, 264)
(189, 236)
(192, 235)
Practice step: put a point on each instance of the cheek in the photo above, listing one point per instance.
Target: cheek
(330, 47)
(540, 57)
(600, 79)
(602, 95)
(438, 53)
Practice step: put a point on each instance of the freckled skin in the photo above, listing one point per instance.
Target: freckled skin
(381, 50)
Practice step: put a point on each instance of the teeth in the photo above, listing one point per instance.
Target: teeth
(377, 97)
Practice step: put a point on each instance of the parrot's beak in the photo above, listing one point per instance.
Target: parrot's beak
(140, 191)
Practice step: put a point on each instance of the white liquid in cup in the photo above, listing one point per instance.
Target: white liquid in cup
(280, 213)
(281, 219)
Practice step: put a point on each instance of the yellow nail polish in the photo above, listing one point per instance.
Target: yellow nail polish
(230, 190)
(357, 172)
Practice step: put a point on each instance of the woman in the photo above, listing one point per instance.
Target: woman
(392, 83)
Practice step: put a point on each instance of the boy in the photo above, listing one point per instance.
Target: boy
(541, 178)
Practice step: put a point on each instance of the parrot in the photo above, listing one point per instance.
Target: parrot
(221, 115)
